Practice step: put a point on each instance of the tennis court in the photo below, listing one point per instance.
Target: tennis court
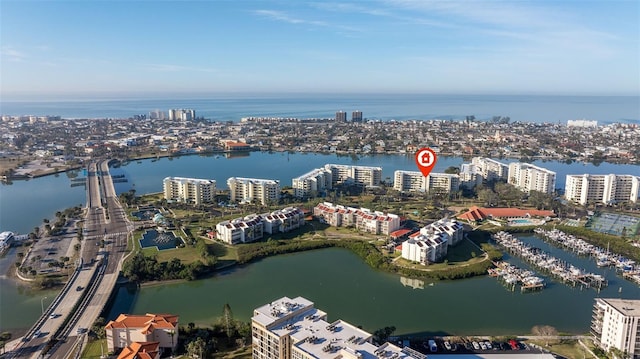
(614, 224)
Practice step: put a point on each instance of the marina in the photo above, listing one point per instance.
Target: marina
(560, 270)
(512, 276)
(626, 267)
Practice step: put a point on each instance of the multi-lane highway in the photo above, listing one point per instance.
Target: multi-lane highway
(61, 330)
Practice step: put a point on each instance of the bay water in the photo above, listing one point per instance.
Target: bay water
(338, 281)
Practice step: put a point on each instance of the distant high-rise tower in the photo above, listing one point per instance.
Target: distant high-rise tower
(356, 116)
(341, 116)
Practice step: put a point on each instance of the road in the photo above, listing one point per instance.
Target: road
(62, 328)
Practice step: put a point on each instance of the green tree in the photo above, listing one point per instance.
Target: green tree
(196, 348)
(227, 321)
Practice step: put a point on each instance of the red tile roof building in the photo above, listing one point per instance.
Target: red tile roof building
(363, 219)
(129, 328)
(475, 214)
(137, 350)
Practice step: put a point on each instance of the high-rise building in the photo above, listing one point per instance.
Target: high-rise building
(182, 114)
(246, 190)
(470, 175)
(606, 189)
(293, 329)
(413, 181)
(189, 190)
(528, 177)
(311, 183)
(490, 169)
(616, 324)
(356, 116)
(341, 116)
(362, 175)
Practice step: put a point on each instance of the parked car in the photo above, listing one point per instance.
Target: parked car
(475, 345)
(433, 346)
(447, 345)
(53, 316)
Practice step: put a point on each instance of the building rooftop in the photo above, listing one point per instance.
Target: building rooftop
(627, 307)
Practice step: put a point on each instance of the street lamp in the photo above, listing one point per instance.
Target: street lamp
(42, 304)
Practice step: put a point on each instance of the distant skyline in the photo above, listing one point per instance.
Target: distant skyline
(77, 49)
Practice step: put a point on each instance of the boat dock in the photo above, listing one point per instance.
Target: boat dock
(561, 270)
(512, 276)
(624, 266)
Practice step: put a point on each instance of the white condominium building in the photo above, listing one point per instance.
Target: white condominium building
(528, 177)
(363, 219)
(253, 227)
(246, 190)
(293, 329)
(310, 183)
(470, 175)
(616, 324)
(491, 169)
(283, 220)
(413, 181)
(431, 244)
(189, 190)
(367, 176)
(240, 230)
(606, 189)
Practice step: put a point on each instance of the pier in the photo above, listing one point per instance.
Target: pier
(627, 268)
(511, 276)
(560, 270)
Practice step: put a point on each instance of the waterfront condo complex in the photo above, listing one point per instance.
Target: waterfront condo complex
(312, 182)
(182, 114)
(247, 190)
(606, 189)
(528, 177)
(189, 190)
(413, 181)
(321, 179)
(362, 219)
(293, 329)
(490, 169)
(616, 324)
(431, 243)
(252, 228)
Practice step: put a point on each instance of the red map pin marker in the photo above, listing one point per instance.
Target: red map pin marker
(425, 159)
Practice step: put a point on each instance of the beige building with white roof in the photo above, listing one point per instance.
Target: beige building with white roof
(293, 329)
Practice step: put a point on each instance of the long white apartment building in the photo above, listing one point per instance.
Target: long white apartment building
(363, 175)
(361, 218)
(616, 324)
(414, 181)
(606, 189)
(528, 177)
(491, 169)
(312, 182)
(189, 190)
(253, 227)
(470, 175)
(294, 329)
(432, 242)
(246, 190)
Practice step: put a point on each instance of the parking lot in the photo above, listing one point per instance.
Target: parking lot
(462, 345)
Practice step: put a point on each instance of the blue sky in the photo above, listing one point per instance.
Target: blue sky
(70, 48)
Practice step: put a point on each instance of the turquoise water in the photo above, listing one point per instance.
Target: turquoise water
(522, 221)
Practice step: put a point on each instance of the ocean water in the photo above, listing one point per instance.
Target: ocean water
(523, 108)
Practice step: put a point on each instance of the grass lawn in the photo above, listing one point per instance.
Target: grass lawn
(566, 348)
(93, 351)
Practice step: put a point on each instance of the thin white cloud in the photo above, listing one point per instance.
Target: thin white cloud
(12, 54)
(286, 18)
(177, 68)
